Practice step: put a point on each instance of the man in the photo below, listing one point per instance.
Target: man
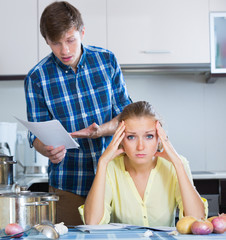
(82, 87)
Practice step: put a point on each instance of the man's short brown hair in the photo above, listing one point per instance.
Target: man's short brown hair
(59, 17)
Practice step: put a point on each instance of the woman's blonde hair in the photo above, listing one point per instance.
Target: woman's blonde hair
(139, 109)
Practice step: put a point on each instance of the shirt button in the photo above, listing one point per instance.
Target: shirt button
(66, 71)
(145, 217)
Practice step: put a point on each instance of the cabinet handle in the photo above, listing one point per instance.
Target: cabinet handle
(156, 52)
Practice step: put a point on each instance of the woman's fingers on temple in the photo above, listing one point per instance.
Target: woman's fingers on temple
(121, 126)
(119, 140)
(160, 130)
(120, 129)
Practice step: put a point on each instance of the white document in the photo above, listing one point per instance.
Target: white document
(118, 226)
(102, 227)
(51, 133)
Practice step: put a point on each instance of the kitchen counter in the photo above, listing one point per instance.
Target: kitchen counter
(28, 180)
(25, 181)
(209, 175)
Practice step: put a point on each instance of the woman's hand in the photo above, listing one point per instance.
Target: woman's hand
(168, 152)
(113, 148)
(192, 203)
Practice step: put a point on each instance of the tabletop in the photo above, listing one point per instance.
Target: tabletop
(137, 234)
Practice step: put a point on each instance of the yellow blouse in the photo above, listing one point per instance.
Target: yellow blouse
(123, 203)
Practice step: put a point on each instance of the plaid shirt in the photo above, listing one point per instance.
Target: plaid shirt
(95, 93)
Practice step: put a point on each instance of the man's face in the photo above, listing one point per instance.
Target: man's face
(68, 48)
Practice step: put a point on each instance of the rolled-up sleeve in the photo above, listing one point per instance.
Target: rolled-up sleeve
(37, 110)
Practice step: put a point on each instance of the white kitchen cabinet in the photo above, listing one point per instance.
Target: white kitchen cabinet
(94, 17)
(217, 5)
(158, 32)
(18, 41)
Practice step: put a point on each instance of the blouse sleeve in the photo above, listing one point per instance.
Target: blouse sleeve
(107, 204)
(107, 201)
(178, 195)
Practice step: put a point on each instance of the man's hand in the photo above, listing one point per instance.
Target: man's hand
(55, 155)
(92, 131)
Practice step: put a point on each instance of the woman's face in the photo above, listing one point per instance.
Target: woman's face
(141, 141)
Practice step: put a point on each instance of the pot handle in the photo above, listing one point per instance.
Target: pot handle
(36, 204)
(9, 162)
(50, 198)
(12, 162)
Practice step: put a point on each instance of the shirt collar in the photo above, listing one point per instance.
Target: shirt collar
(82, 58)
(59, 63)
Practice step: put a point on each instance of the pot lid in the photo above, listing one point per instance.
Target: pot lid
(29, 194)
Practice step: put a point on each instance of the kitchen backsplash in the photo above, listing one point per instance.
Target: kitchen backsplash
(193, 111)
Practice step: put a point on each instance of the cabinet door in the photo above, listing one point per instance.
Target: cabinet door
(217, 5)
(94, 17)
(158, 32)
(18, 41)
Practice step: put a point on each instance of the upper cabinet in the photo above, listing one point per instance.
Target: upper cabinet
(19, 39)
(159, 32)
(138, 31)
(94, 17)
(217, 5)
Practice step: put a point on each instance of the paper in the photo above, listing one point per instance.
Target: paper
(102, 227)
(148, 233)
(119, 226)
(51, 133)
(163, 228)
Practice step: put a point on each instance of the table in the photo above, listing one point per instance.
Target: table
(137, 234)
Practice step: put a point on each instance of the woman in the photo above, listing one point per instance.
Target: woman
(136, 182)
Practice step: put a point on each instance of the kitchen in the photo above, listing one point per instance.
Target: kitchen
(177, 86)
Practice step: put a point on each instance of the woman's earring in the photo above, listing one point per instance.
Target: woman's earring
(160, 147)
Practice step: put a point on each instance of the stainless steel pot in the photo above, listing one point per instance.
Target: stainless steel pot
(27, 208)
(6, 170)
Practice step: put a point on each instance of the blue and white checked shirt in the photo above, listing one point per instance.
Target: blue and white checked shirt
(95, 93)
